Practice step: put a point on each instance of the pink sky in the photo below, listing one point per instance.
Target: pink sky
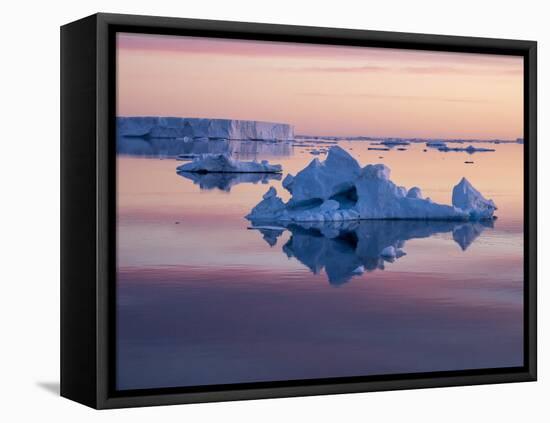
(322, 90)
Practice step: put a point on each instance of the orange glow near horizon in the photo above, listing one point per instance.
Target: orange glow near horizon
(322, 90)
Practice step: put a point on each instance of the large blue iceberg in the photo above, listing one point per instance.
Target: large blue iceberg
(338, 189)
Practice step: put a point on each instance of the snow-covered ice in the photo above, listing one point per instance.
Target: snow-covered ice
(176, 127)
(222, 163)
(338, 189)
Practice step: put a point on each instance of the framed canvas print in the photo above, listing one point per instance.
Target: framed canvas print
(254, 211)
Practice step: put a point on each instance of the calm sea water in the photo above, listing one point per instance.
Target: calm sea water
(202, 299)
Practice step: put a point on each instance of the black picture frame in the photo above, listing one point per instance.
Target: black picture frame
(88, 196)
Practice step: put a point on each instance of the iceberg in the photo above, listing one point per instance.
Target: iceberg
(393, 142)
(436, 144)
(176, 127)
(222, 163)
(344, 250)
(338, 189)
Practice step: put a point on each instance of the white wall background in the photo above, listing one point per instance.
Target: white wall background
(29, 175)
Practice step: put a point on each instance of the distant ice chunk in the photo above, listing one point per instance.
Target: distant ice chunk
(436, 144)
(470, 149)
(222, 163)
(392, 142)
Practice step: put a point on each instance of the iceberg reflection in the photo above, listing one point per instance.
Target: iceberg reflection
(348, 249)
(172, 147)
(225, 181)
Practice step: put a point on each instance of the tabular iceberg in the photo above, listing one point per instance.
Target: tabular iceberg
(222, 163)
(175, 127)
(338, 189)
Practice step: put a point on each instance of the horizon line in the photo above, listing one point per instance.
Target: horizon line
(512, 139)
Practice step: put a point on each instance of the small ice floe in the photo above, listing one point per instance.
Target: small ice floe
(470, 149)
(436, 144)
(394, 142)
(338, 189)
(222, 163)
